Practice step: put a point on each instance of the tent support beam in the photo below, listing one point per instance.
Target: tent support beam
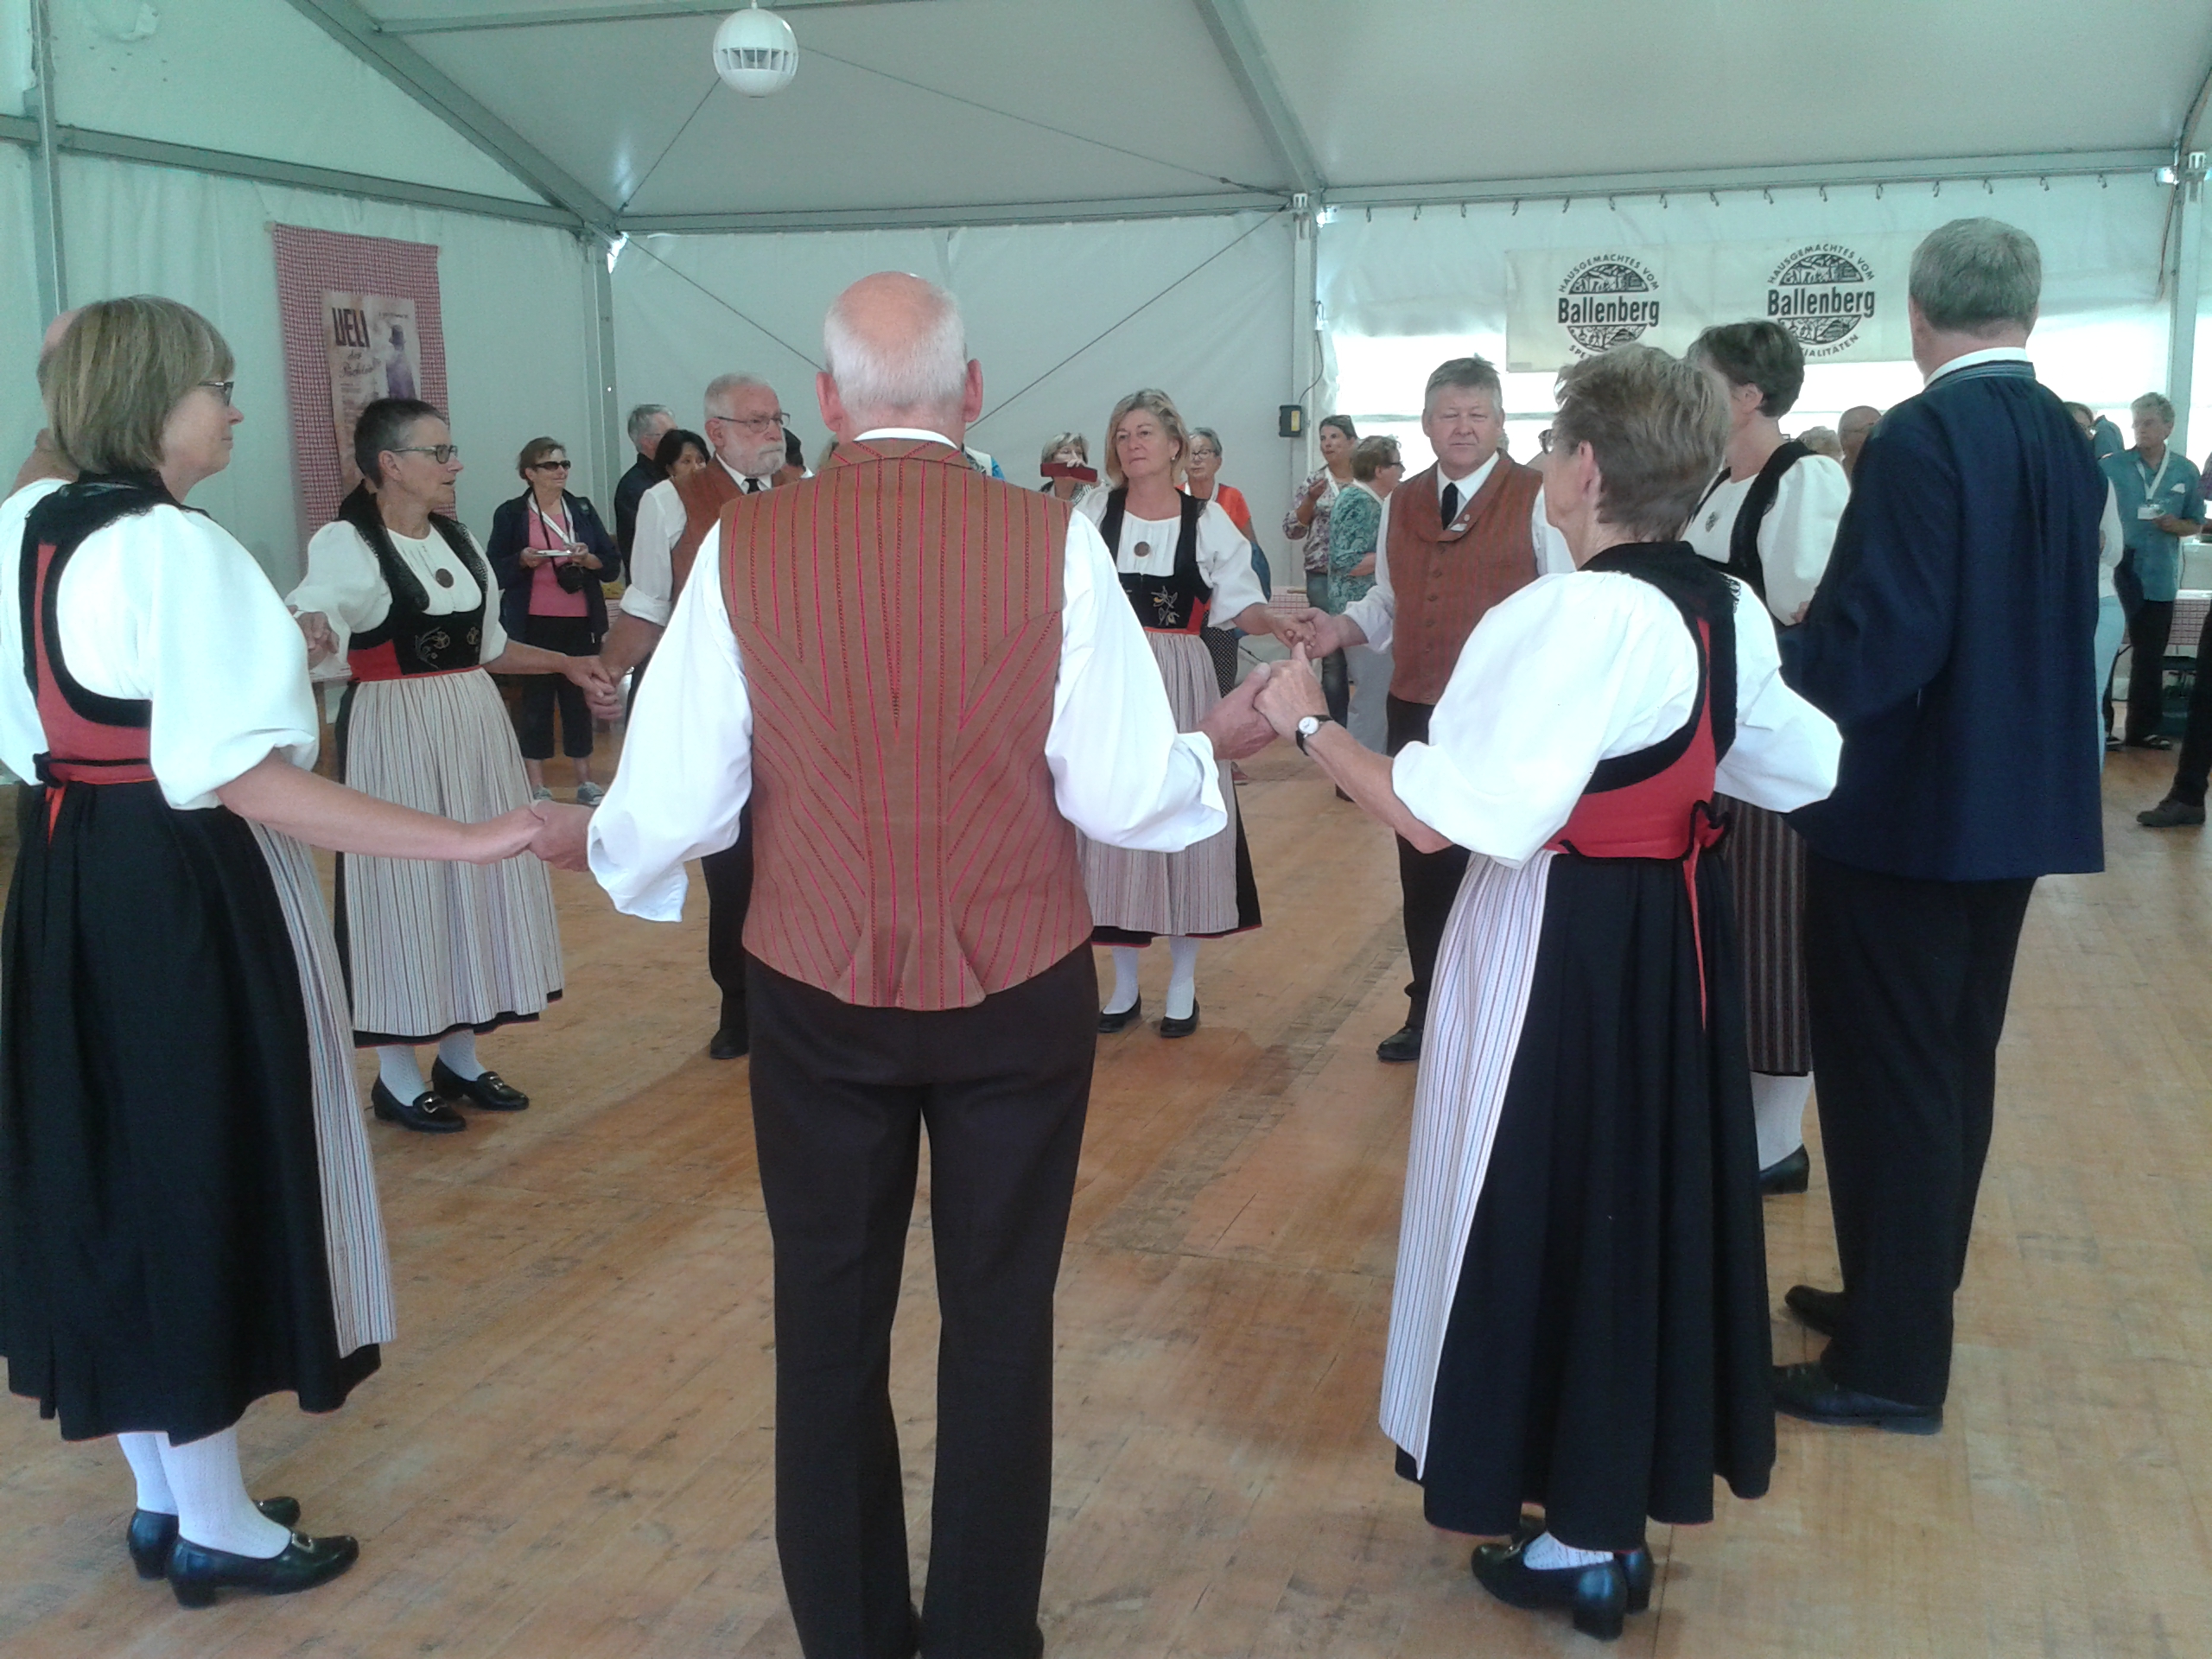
(603, 407)
(414, 74)
(2186, 281)
(901, 219)
(550, 18)
(2050, 164)
(191, 158)
(1246, 56)
(46, 173)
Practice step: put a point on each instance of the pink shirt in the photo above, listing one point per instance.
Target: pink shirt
(547, 596)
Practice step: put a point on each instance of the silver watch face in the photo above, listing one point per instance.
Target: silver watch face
(1309, 725)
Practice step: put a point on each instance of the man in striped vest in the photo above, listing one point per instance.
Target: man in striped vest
(925, 681)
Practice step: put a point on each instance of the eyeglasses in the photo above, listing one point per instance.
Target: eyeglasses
(756, 422)
(441, 452)
(221, 388)
(545, 465)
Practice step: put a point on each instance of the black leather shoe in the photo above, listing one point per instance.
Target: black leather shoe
(426, 1114)
(1110, 1023)
(1635, 1563)
(1596, 1595)
(1807, 1391)
(151, 1533)
(729, 1045)
(1401, 1047)
(1792, 1174)
(1820, 1310)
(2170, 814)
(197, 1572)
(488, 1089)
(1172, 1028)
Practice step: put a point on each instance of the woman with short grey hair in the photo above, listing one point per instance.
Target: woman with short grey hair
(192, 1213)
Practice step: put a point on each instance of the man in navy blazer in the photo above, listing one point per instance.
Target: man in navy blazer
(1952, 641)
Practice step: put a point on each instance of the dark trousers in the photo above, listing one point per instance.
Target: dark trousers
(841, 1096)
(728, 878)
(2154, 619)
(571, 637)
(2195, 765)
(1906, 981)
(1336, 680)
(1429, 881)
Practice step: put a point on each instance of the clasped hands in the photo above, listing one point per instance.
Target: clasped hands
(1269, 703)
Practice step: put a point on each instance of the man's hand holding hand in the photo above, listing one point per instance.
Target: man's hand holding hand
(562, 833)
(1235, 726)
(1291, 692)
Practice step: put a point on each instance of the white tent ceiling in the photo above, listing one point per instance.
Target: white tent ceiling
(906, 111)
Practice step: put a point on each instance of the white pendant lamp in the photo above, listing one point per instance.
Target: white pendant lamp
(756, 52)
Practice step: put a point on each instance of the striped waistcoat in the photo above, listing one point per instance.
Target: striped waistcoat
(900, 621)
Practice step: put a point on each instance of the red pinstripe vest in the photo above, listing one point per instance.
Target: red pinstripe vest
(899, 620)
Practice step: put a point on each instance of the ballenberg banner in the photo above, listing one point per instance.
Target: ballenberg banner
(1844, 300)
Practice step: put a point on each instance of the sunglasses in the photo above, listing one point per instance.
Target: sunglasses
(550, 466)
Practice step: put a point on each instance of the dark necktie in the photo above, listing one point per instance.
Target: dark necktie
(753, 486)
(1450, 503)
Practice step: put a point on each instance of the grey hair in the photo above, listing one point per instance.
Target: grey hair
(927, 368)
(1975, 275)
(1466, 374)
(642, 418)
(1209, 434)
(719, 389)
(2157, 403)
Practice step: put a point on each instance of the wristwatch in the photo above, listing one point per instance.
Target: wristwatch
(1308, 727)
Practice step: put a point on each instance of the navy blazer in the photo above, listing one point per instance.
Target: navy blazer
(511, 535)
(1952, 641)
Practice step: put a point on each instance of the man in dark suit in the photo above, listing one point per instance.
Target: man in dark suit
(648, 424)
(1952, 641)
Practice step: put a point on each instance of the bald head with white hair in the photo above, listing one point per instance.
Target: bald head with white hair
(896, 355)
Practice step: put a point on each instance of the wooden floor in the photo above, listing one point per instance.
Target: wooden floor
(568, 1451)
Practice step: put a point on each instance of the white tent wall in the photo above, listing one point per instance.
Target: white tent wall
(1399, 293)
(516, 301)
(20, 321)
(1216, 333)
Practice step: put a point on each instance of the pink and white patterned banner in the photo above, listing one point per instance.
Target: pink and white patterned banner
(361, 321)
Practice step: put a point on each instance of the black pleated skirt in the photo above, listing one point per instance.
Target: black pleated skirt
(1607, 1352)
(162, 1238)
(1767, 859)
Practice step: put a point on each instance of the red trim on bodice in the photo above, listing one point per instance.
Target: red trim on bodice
(78, 750)
(381, 662)
(1668, 815)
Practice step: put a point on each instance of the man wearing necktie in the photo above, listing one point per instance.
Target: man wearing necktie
(1452, 541)
(744, 427)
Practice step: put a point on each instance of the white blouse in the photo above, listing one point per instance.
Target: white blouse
(1224, 556)
(345, 582)
(165, 608)
(1795, 539)
(1573, 670)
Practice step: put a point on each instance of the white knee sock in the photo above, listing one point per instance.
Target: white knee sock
(212, 1509)
(400, 1072)
(1778, 1104)
(144, 1452)
(1547, 1554)
(1125, 981)
(1182, 978)
(458, 1050)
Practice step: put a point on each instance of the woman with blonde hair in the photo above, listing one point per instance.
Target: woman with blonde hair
(1183, 564)
(191, 1215)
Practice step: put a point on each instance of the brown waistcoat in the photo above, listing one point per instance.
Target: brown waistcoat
(1446, 577)
(898, 617)
(705, 494)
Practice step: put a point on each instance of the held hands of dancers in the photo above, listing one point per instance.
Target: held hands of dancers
(1319, 632)
(1290, 693)
(599, 689)
(315, 627)
(559, 835)
(1235, 726)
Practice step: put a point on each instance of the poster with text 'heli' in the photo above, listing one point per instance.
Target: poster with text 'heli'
(1843, 299)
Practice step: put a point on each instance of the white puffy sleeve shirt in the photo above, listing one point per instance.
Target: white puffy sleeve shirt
(652, 552)
(1794, 538)
(1122, 774)
(165, 608)
(1576, 669)
(345, 582)
(1224, 556)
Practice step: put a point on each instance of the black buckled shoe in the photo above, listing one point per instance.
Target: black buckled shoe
(1820, 1310)
(729, 1043)
(2170, 814)
(1401, 1047)
(1789, 1175)
(1171, 1026)
(1635, 1563)
(1596, 1596)
(488, 1089)
(196, 1573)
(1807, 1392)
(426, 1114)
(151, 1533)
(1110, 1023)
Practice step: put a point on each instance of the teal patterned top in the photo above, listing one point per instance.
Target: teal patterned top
(1352, 526)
